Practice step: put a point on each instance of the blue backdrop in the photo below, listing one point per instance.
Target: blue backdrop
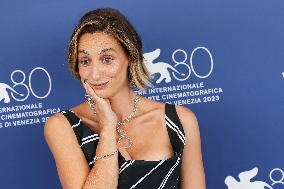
(222, 59)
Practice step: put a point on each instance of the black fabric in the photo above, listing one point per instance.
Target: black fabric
(138, 174)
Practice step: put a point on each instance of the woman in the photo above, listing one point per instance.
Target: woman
(117, 139)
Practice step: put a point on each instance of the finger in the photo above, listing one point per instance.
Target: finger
(84, 82)
(90, 91)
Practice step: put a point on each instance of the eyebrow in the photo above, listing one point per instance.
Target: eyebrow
(107, 49)
(102, 51)
(83, 51)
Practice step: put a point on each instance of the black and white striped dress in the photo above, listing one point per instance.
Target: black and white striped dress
(138, 174)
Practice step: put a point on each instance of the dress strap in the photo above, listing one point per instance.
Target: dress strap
(75, 123)
(70, 116)
(174, 128)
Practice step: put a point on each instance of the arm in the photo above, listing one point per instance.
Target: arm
(192, 171)
(72, 167)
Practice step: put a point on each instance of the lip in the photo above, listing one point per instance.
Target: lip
(100, 86)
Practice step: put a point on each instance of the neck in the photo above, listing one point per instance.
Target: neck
(122, 103)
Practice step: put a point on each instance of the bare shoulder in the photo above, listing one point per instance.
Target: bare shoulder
(57, 129)
(188, 120)
(56, 121)
(149, 105)
(55, 125)
(185, 114)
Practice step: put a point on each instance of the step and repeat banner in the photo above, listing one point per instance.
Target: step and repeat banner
(222, 59)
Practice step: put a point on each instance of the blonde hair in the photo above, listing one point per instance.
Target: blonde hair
(112, 22)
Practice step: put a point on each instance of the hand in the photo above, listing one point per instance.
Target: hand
(106, 117)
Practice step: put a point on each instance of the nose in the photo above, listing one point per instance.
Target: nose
(95, 73)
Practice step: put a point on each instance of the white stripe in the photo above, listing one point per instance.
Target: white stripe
(122, 165)
(141, 179)
(126, 165)
(76, 124)
(168, 124)
(174, 125)
(169, 174)
(91, 136)
(176, 130)
(87, 141)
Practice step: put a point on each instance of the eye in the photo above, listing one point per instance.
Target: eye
(107, 59)
(84, 62)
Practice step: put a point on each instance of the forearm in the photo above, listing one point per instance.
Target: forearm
(104, 173)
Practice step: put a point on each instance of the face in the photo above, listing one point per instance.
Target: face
(103, 62)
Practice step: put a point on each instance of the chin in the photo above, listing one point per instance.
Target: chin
(105, 93)
(102, 94)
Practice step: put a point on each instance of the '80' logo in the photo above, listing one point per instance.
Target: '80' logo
(181, 70)
(24, 87)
